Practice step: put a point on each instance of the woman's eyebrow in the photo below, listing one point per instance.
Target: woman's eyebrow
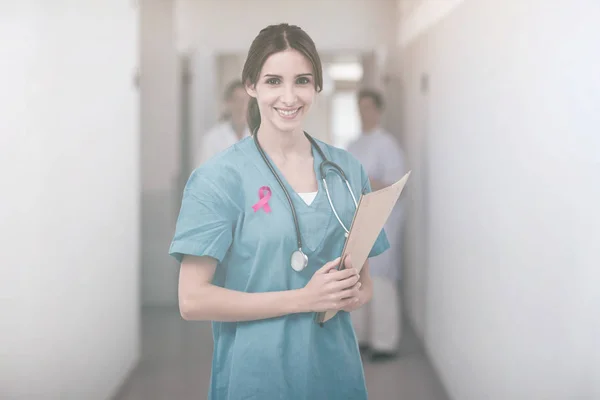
(279, 76)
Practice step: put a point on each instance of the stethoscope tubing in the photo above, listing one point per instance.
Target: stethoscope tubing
(324, 163)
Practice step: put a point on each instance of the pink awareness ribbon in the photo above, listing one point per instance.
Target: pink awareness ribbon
(263, 201)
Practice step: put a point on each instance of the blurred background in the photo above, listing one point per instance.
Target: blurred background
(103, 106)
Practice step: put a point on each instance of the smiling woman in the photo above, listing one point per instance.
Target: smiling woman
(278, 51)
(259, 244)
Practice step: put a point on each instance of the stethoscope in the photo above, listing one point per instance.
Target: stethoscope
(299, 260)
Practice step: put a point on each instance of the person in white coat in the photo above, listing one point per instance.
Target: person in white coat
(232, 127)
(378, 326)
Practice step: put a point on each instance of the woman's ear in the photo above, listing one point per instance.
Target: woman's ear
(250, 89)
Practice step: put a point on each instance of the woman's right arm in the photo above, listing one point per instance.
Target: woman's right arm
(199, 299)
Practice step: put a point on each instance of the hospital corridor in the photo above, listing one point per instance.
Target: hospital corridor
(168, 163)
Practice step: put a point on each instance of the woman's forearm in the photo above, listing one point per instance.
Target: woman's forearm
(214, 303)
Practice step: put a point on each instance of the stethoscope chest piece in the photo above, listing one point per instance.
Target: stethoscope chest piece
(299, 260)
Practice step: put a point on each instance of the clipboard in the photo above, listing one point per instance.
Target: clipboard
(369, 219)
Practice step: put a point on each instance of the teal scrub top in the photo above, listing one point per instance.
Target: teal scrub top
(289, 357)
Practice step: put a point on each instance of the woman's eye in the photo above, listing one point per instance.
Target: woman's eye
(273, 81)
(303, 81)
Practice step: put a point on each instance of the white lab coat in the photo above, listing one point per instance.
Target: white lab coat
(384, 161)
(217, 139)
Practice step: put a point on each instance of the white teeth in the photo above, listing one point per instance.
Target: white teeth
(287, 113)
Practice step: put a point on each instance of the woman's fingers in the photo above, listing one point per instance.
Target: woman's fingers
(348, 262)
(347, 298)
(345, 283)
(350, 292)
(341, 275)
(348, 304)
(329, 266)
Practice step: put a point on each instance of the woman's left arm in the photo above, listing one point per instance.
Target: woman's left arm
(366, 288)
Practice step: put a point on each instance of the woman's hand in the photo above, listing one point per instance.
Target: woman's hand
(366, 287)
(360, 301)
(330, 289)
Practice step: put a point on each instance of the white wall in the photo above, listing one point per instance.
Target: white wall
(160, 123)
(509, 302)
(69, 204)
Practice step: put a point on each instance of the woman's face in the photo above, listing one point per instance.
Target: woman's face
(285, 90)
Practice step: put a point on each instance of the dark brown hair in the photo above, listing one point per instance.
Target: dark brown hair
(274, 39)
(373, 95)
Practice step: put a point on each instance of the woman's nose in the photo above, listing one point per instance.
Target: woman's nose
(289, 95)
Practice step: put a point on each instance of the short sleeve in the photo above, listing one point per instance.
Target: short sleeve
(382, 243)
(206, 221)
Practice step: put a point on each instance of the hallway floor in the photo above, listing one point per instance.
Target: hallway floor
(176, 357)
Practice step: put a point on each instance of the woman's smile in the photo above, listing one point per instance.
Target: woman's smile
(288, 113)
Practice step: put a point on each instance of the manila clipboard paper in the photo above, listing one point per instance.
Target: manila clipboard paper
(369, 219)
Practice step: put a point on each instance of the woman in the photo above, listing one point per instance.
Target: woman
(246, 212)
(232, 126)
